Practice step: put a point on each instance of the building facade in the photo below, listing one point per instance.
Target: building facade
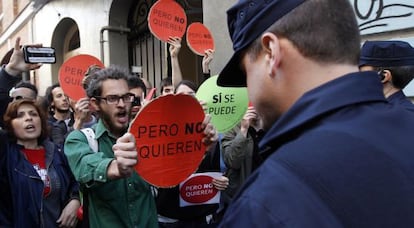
(116, 32)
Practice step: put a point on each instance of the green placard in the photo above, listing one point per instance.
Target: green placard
(226, 105)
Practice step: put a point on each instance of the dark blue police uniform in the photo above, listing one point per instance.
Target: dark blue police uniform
(329, 163)
(399, 98)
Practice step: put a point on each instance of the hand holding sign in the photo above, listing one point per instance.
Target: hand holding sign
(221, 183)
(175, 46)
(208, 57)
(210, 132)
(249, 118)
(125, 154)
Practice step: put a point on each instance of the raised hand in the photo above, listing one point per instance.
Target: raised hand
(207, 58)
(17, 65)
(175, 46)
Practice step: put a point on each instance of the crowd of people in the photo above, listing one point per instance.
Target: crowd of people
(325, 140)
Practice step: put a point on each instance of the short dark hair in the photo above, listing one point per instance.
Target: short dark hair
(98, 77)
(165, 82)
(188, 83)
(49, 96)
(28, 85)
(323, 30)
(136, 82)
(401, 75)
(49, 90)
(88, 75)
(11, 114)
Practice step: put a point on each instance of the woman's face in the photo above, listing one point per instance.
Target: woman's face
(27, 124)
(183, 89)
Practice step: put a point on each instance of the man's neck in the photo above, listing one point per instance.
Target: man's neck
(113, 132)
(389, 90)
(61, 115)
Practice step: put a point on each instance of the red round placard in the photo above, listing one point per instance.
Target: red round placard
(198, 189)
(168, 133)
(72, 72)
(199, 38)
(167, 18)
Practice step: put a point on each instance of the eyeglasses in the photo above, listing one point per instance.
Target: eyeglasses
(114, 99)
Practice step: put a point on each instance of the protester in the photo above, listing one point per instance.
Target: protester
(59, 107)
(186, 87)
(170, 212)
(38, 188)
(136, 87)
(67, 115)
(394, 62)
(117, 195)
(241, 151)
(24, 90)
(337, 153)
(18, 207)
(61, 118)
(166, 86)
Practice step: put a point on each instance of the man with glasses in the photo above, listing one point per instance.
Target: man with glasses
(117, 195)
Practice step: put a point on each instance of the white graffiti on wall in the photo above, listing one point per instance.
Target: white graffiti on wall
(375, 16)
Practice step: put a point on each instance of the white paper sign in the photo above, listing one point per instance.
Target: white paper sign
(198, 189)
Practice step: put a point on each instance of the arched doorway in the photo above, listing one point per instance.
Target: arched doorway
(66, 41)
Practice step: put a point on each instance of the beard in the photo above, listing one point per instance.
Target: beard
(111, 127)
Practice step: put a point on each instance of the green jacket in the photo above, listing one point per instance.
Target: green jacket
(112, 203)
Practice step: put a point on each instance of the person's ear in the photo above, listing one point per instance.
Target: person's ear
(271, 48)
(95, 103)
(385, 76)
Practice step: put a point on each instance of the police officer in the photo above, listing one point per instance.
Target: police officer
(394, 62)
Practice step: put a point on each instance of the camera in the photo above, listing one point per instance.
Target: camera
(39, 54)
